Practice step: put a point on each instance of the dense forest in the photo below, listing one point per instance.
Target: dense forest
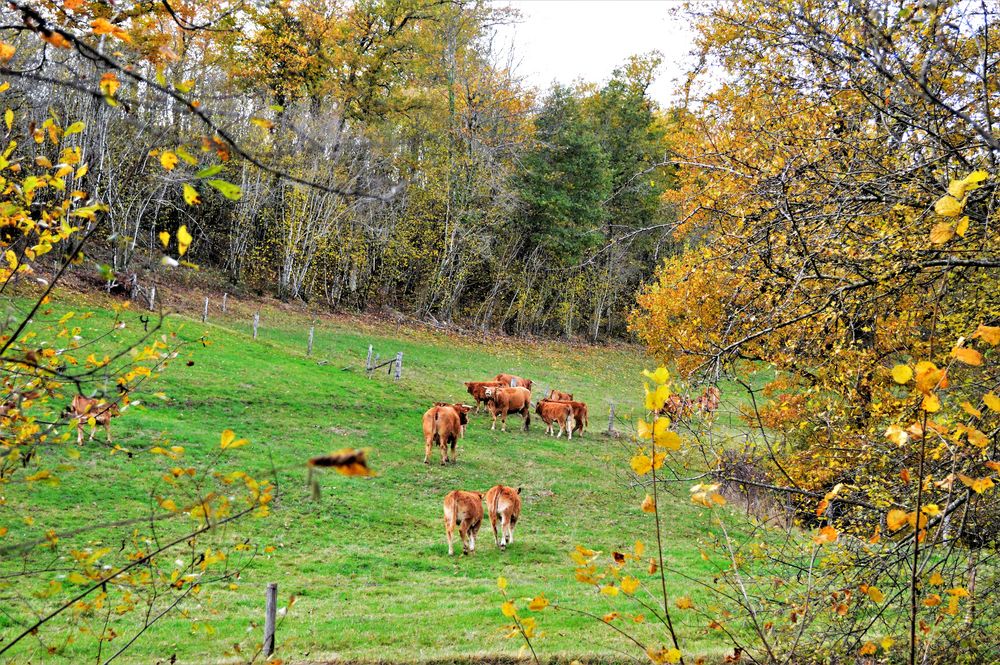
(386, 155)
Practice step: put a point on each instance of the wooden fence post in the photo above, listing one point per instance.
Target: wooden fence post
(270, 614)
(152, 298)
(224, 296)
(611, 419)
(309, 348)
(368, 362)
(204, 312)
(256, 322)
(399, 365)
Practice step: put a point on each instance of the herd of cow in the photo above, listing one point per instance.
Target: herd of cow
(445, 423)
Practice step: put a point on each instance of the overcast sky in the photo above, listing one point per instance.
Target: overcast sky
(565, 40)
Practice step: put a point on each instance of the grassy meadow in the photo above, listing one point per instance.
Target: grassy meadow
(368, 562)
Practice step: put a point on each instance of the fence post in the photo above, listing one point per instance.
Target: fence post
(611, 419)
(309, 348)
(152, 298)
(224, 296)
(399, 365)
(368, 362)
(204, 312)
(256, 321)
(270, 613)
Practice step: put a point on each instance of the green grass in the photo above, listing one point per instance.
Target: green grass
(368, 562)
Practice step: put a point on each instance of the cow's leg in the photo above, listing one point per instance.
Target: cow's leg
(503, 416)
(463, 531)
(443, 442)
(79, 431)
(493, 412)
(527, 418)
(454, 453)
(503, 532)
(93, 431)
(510, 530)
(107, 429)
(493, 523)
(428, 444)
(473, 532)
(449, 531)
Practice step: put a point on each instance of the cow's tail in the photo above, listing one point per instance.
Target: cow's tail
(451, 512)
(496, 503)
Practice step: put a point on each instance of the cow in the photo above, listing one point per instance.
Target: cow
(580, 418)
(503, 503)
(443, 425)
(478, 390)
(556, 412)
(559, 396)
(678, 407)
(514, 381)
(463, 413)
(82, 409)
(501, 401)
(464, 510)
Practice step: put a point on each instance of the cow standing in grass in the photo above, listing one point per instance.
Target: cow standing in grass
(504, 504)
(514, 381)
(82, 409)
(560, 413)
(442, 425)
(559, 396)
(580, 418)
(463, 413)
(478, 390)
(502, 401)
(464, 510)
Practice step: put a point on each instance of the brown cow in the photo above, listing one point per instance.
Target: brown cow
(514, 381)
(462, 410)
(478, 390)
(465, 510)
(441, 424)
(559, 396)
(82, 409)
(580, 418)
(709, 400)
(504, 503)
(556, 412)
(501, 401)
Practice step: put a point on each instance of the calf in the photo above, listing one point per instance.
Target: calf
(504, 503)
(465, 510)
(559, 396)
(580, 419)
(463, 413)
(514, 381)
(82, 409)
(502, 401)
(556, 412)
(443, 425)
(478, 390)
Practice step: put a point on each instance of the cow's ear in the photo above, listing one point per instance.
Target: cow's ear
(518, 490)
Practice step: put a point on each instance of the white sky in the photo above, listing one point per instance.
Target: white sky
(565, 40)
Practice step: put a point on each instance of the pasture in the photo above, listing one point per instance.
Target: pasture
(368, 562)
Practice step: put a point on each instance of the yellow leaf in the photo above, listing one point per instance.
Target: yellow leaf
(942, 232)
(641, 464)
(966, 355)
(673, 656)
(962, 226)
(609, 590)
(971, 410)
(649, 504)
(992, 401)
(948, 206)
(670, 440)
(168, 160)
(508, 609)
(644, 430)
(538, 603)
(868, 649)
(936, 579)
(183, 239)
(826, 535)
(989, 334)
(502, 583)
(164, 238)
(896, 519)
(928, 376)
(8, 118)
(959, 591)
(887, 642)
(263, 123)
(191, 196)
(639, 548)
(229, 440)
(932, 600)
(6, 51)
(77, 578)
(109, 86)
(629, 584)
(875, 594)
(902, 374)
(660, 376)
(684, 603)
(978, 485)
(931, 403)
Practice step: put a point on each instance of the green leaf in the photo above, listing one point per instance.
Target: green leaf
(208, 171)
(227, 189)
(186, 156)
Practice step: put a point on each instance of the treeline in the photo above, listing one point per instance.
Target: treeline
(386, 155)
